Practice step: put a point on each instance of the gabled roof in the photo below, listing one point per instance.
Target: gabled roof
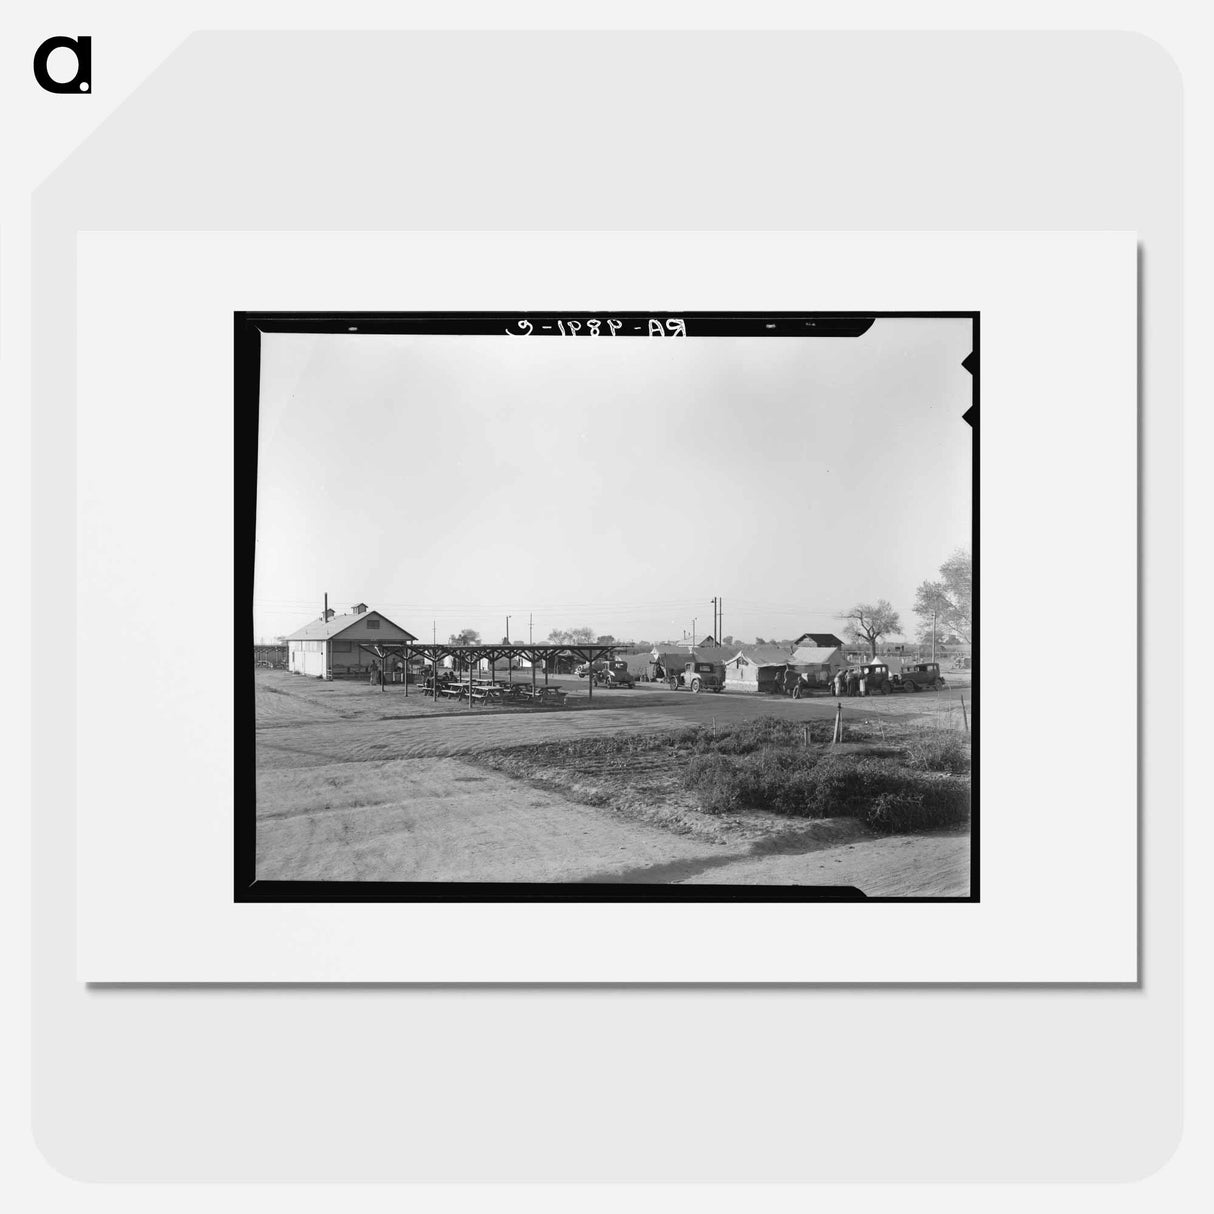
(319, 630)
(760, 655)
(818, 640)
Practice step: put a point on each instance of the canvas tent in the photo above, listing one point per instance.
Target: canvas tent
(820, 662)
(755, 667)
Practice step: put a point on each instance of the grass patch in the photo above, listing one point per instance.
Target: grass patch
(913, 780)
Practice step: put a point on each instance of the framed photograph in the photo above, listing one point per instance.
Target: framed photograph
(610, 606)
(482, 565)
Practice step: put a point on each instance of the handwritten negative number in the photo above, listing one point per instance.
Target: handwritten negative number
(571, 328)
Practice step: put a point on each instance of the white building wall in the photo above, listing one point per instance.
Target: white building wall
(308, 658)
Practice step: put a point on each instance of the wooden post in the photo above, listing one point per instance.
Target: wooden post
(590, 679)
(838, 723)
(965, 715)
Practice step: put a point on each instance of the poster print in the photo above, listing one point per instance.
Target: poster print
(607, 607)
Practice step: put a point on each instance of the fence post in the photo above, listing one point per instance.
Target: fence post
(965, 715)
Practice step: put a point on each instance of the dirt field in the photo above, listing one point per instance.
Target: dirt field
(358, 784)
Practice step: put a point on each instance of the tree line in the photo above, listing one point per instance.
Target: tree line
(943, 605)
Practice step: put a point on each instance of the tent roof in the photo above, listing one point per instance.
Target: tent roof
(761, 655)
(811, 655)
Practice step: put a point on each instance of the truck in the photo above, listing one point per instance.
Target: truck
(697, 676)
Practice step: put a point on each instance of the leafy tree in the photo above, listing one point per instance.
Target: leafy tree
(760, 641)
(951, 598)
(728, 642)
(469, 636)
(572, 636)
(605, 639)
(868, 622)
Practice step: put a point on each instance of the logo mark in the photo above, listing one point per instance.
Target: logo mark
(82, 48)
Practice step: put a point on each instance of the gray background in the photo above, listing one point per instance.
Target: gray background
(552, 131)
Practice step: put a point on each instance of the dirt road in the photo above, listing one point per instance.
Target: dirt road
(444, 820)
(355, 784)
(896, 866)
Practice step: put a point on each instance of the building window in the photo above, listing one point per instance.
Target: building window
(372, 623)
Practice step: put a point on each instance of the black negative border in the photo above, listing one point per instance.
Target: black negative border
(247, 330)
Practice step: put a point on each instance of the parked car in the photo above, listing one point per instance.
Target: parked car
(585, 668)
(698, 676)
(876, 678)
(922, 675)
(614, 675)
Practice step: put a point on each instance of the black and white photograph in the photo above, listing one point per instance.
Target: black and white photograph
(624, 606)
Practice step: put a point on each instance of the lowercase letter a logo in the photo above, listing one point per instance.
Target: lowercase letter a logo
(82, 81)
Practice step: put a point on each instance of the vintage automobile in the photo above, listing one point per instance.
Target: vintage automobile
(616, 674)
(875, 677)
(922, 675)
(698, 676)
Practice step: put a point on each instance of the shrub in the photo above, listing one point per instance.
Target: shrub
(941, 750)
(931, 805)
(796, 784)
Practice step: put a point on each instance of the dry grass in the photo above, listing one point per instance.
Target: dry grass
(914, 779)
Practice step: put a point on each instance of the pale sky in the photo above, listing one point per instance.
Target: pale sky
(617, 483)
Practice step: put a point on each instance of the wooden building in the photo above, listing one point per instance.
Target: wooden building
(342, 645)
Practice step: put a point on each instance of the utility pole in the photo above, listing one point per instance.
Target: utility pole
(933, 636)
(693, 634)
(530, 625)
(715, 634)
(507, 630)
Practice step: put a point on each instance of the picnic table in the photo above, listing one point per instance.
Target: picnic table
(543, 695)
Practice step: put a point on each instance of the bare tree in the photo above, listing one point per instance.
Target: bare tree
(868, 622)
